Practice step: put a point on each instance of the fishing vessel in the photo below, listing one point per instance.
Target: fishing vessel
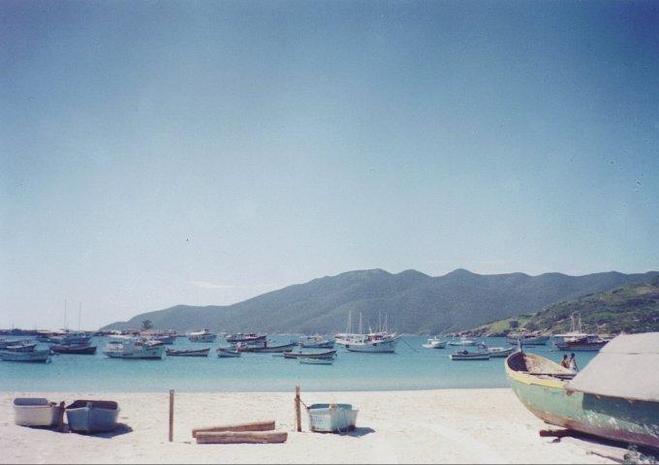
(315, 361)
(381, 341)
(202, 336)
(164, 337)
(35, 411)
(462, 342)
(247, 338)
(266, 347)
(616, 396)
(500, 352)
(227, 352)
(188, 352)
(316, 342)
(435, 343)
(132, 347)
(72, 338)
(92, 416)
(578, 341)
(527, 339)
(74, 349)
(34, 356)
(310, 354)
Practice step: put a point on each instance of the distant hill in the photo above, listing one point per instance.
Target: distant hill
(414, 302)
(633, 308)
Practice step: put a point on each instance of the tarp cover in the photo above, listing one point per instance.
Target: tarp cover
(627, 367)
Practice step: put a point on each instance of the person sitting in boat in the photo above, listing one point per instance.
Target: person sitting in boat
(565, 363)
(573, 363)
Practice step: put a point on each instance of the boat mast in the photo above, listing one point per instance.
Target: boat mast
(360, 323)
(79, 314)
(65, 322)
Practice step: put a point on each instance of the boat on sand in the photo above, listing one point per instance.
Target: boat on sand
(92, 416)
(615, 397)
(35, 411)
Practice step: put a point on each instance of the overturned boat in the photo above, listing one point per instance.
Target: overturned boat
(615, 397)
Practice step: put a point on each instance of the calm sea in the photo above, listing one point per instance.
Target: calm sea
(412, 367)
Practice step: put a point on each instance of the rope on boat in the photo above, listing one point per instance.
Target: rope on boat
(408, 345)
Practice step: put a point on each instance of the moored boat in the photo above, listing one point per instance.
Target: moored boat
(202, 336)
(310, 354)
(315, 361)
(74, 349)
(316, 342)
(464, 355)
(92, 416)
(248, 338)
(463, 341)
(22, 346)
(435, 343)
(266, 348)
(133, 348)
(616, 396)
(34, 411)
(34, 356)
(527, 339)
(227, 352)
(188, 352)
(500, 352)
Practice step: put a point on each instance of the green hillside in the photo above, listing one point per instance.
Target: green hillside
(631, 309)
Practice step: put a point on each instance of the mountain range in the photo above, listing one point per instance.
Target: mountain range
(411, 302)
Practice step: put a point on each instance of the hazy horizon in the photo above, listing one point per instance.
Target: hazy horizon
(163, 153)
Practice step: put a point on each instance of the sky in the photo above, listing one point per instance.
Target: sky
(155, 153)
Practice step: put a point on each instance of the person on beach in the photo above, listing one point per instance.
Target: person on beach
(573, 363)
(565, 363)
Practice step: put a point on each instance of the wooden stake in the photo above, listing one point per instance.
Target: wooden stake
(60, 418)
(171, 415)
(298, 414)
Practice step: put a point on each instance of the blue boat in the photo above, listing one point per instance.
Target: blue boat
(92, 416)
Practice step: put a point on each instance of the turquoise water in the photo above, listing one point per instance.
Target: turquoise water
(412, 367)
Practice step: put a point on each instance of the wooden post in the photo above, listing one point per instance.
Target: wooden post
(171, 415)
(60, 418)
(298, 414)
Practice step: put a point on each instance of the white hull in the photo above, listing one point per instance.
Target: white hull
(36, 356)
(35, 412)
(381, 347)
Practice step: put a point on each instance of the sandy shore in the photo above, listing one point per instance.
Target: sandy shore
(443, 426)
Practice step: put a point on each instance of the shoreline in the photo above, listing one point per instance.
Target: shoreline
(422, 426)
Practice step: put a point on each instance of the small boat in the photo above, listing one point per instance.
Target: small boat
(316, 342)
(463, 342)
(23, 346)
(435, 343)
(35, 411)
(332, 418)
(580, 343)
(35, 356)
(266, 348)
(248, 338)
(463, 355)
(202, 336)
(130, 347)
(527, 339)
(315, 361)
(500, 352)
(382, 343)
(74, 349)
(92, 416)
(308, 354)
(4, 343)
(70, 337)
(616, 396)
(227, 352)
(188, 352)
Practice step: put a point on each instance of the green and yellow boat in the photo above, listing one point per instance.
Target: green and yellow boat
(615, 397)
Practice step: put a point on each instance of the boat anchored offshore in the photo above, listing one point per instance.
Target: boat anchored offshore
(463, 342)
(527, 339)
(188, 352)
(463, 355)
(435, 343)
(316, 342)
(131, 347)
(500, 352)
(315, 361)
(202, 336)
(616, 396)
(246, 338)
(74, 349)
(227, 352)
(265, 347)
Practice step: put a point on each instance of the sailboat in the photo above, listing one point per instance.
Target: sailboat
(577, 340)
(381, 341)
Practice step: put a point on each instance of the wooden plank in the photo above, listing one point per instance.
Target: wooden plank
(242, 437)
(255, 426)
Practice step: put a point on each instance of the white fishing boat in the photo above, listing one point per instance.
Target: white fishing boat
(464, 355)
(247, 338)
(202, 336)
(463, 342)
(435, 343)
(35, 411)
(316, 342)
(34, 356)
(131, 347)
(227, 352)
(381, 341)
(22, 346)
(315, 361)
(500, 352)
(332, 418)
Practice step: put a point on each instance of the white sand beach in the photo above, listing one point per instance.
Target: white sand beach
(440, 426)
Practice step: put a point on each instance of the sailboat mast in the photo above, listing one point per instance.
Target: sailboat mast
(360, 323)
(79, 314)
(65, 321)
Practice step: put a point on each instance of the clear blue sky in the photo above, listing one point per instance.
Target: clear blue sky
(156, 153)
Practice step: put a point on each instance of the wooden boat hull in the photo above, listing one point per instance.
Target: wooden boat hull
(37, 412)
(327, 354)
(74, 350)
(315, 361)
(616, 419)
(268, 349)
(188, 353)
(37, 356)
